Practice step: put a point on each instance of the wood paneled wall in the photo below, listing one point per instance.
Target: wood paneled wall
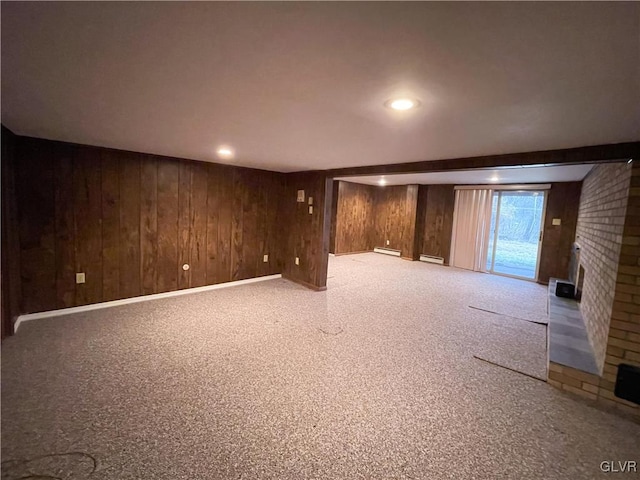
(563, 200)
(307, 235)
(368, 216)
(438, 220)
(421, 214)
(419, 219)
(130, 221)
(10, 271)
(335, 185)
(409, 248)
(390, 217)
(355, 215)
(395, 219)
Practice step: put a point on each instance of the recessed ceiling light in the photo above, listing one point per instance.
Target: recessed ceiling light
(402, 103)
(225, 152)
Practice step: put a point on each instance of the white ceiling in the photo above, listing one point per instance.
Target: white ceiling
(301, 85)
(502, 176)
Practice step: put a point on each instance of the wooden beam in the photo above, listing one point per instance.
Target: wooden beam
(593, 154)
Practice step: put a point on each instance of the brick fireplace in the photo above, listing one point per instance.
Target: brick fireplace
(605, 268)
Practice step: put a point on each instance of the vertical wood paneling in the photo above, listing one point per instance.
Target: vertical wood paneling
(438, 221)
(198, 225)
(322, 225)
(10, 276)
(213, 221)
(421, 212)
(409, 249)
(334, 215)
(184, 224)
(237, 227)
(390, 216)
(225, 224)
(355, 218)
(149, 224)
(262, 268)
(563, 200)
(65, 227)
(273, 225)
(37, 227)
(110, 226)
(88, 219)
(368, 216)
(129, 167)
(130, 221)
(251, 240)
(308, 234)
(168, 186)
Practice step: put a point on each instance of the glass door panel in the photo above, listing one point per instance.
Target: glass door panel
(516, 223)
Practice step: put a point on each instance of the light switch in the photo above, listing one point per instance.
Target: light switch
(297, 260)
(310, 209)
(310, 200)
(265, 258)
(556, 221)
(80, 278)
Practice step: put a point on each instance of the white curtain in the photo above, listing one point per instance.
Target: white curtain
(471, 224)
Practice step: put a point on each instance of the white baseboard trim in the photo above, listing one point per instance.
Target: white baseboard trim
(431, 259)
(387, 251)
(143, 298)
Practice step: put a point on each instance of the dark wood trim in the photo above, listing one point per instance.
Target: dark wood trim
(592, 154)
(310, 286)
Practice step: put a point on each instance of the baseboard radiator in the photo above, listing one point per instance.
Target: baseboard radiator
(387, 251)
(431, 259)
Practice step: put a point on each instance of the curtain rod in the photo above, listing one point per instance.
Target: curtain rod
(524, 186)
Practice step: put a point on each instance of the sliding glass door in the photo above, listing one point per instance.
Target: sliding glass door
(515, 233)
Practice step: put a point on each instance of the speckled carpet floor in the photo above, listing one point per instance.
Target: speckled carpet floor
(373, 379)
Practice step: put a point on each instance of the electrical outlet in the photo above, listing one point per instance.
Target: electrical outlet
(80, 278)
(310, 200)
(297, 260)
(300, 195)
(265, 258)
(387, 242)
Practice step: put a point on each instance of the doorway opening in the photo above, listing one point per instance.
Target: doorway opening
(515, 235)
